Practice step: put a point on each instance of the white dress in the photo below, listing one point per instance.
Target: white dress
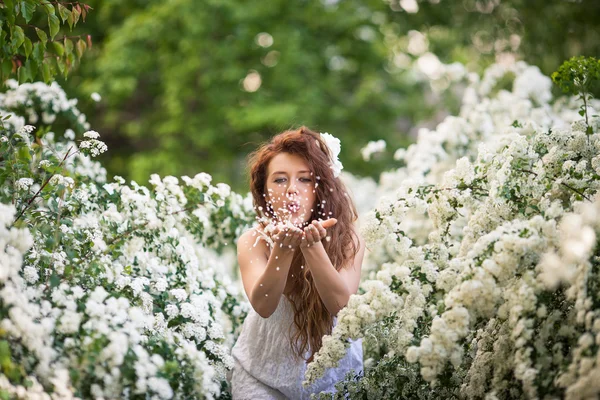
(266, 368)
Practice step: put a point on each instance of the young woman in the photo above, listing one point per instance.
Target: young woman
(299, 266)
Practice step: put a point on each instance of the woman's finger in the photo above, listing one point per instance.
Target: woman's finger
(320, 229)
(289, 237)
(315, 230)
(315, 234)
(303, 240)
(299, 234)
(274, 233)
(293, 236)
(329, 223)
(309, 235)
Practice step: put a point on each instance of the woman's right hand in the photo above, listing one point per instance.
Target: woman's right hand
(286, 237)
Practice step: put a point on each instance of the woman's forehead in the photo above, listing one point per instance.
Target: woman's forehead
(288, 163)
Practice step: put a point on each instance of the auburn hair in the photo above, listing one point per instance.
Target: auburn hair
(311, 317)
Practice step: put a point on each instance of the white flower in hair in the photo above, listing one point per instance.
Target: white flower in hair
(334, 145)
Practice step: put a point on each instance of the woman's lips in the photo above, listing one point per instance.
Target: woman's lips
(293, 207)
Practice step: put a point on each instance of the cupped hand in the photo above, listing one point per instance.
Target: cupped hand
(316, 231)
(286, 236)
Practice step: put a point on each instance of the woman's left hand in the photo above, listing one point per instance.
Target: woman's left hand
(316, 231)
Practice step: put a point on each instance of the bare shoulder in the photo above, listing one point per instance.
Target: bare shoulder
(251, 258)
(251, 242)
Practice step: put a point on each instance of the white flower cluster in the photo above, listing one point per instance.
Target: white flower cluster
(200, 181)
(50, 101)
(159, 255)
(362, 311)
(11, 121)
(93, 146)
(488, 237)
(65, 181)
(477, 290)
(40, 100)
(428, 67)
(334, 147)
(28, 321)
(154, 304)
(24, 183)
(373, 147)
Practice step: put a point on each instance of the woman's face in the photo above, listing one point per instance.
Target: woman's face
(290, 188)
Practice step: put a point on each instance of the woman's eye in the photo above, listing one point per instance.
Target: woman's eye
(282, 180)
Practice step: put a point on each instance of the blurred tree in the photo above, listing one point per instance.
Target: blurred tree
(194, 86)
(476, 32)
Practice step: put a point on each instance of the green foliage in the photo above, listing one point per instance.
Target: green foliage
(172, 76)
(171, 73)
(576, 76)
(30, 48)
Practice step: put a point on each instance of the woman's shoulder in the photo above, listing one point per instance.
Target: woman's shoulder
(252, 232)
(252, 239)
(249, 234)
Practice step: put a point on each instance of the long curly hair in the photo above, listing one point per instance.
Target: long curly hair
(311, 317)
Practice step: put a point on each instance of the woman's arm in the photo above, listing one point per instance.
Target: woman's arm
(334, 287)
(265, 279)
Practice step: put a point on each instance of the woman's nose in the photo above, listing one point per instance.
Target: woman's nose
(292, 189)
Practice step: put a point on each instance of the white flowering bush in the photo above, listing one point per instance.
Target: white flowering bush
(108, 289)
(486, 246)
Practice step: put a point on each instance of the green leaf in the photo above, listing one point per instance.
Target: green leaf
(27, 9)
(46, 72)
(3, 34)
(58, 48)
(21, 75)
(49, 8)
(38, 52)
(70, 21)
(32, 70)
(80, 48)
(68, 46)
(18, 36)
(54, 280)
(75, 13)
(63, 12)
(60, 63)
(581, 112)
(28, 47)
(54, 24)
(42, 35)
(70, 62)
(9, 9)
(6, 67)
(5, 355)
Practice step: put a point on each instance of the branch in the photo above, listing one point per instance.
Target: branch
(562, 183)
(39, 191)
